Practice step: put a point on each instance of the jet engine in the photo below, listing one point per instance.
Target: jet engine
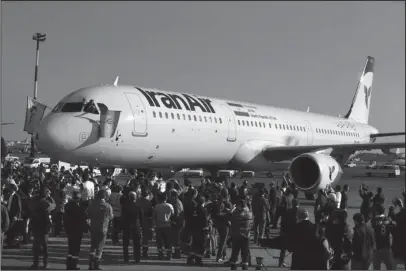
(312, 172)
(388, 151)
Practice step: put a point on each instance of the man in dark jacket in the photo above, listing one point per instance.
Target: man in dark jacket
(100, 213)
(199, 227)
(75, 225)
(221, 221)
(177, 221)
(288, 224)
(304, 244)
(133, 220)
(339, 235)
(41, 224)
(367, 204)
(273, 195)
(363, 244)
(241, 223)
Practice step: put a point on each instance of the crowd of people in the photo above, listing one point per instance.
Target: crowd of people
(200, 221)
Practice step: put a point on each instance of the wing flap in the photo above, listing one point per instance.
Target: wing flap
(282, 153)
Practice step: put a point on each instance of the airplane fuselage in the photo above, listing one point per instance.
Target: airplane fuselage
(168, 129)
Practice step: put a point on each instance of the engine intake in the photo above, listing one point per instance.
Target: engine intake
(312, 172)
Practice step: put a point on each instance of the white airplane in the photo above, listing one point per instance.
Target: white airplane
(137, 127)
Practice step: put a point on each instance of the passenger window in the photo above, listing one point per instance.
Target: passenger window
(243, 123)
(283, 126)
(194, 117)
(200, 118)
(220, 120)
(211, 120)
(190, 118)
(205, 119)
(160, 115)
(263, 124)
(166, 114)
(270, 126)
(72, 107)
(184, 117)
(215, 119)
(291, 128)
(178, 116)
(154, 114)
(252, 123)
(260, 125)
(173, 116)
(248, 123)
(238, 122)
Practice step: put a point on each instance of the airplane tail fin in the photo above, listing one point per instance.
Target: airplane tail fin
(359, 110)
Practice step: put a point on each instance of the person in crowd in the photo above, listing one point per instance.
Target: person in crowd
(339, 234)
(288, 224)
(260, 210)
(145, 204)
(241, 223)
(100, 214)
(133, 220)
(5, 221)
(161, 219)
(302, 242)
(273, 194)
(363, 244)
(344, 197)
(177, 222)
(14, 208)
(41, 225)
(75, 224)
(367, 204)
(199, 230)
(221, 215)
(115, 204)
(378, 200)
(338, 195)
(383, 228)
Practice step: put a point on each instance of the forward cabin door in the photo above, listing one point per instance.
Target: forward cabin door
(232, 128)
(309, 133)
(139, 114)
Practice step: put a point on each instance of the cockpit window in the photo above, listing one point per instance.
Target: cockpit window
(72, 107)
(57, 107)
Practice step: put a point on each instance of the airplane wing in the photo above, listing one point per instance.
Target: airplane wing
(282, 153)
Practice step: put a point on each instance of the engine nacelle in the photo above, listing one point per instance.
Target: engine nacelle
(388, 151)
(312, 172)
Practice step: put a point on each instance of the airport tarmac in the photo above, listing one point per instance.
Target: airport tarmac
(21, 259)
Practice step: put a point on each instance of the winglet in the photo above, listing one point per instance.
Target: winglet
(116, 81)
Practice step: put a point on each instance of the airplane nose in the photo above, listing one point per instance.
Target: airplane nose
(63, 132)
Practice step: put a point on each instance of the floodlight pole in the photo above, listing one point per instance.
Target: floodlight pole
(38, 37)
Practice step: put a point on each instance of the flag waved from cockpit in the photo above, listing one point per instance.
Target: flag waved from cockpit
(34, 113)
(108, 123)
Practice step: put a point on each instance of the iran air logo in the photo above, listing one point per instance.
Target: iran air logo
(331, 169)
(367, 91)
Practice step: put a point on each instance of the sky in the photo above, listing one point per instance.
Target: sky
(285, 54)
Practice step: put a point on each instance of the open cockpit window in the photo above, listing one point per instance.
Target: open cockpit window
(72, 107)
(90, 107)
(57, 108)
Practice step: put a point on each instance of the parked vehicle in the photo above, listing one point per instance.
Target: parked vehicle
(383, 170)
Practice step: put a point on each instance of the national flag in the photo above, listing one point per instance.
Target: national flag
(34, 113)
(108, 123)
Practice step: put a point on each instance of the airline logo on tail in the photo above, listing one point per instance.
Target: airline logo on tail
(367, 91)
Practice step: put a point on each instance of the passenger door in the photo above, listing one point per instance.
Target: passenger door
(232, 129)
(139, 114)
(309, 133)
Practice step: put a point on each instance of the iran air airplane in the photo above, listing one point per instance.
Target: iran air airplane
(137, 127)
